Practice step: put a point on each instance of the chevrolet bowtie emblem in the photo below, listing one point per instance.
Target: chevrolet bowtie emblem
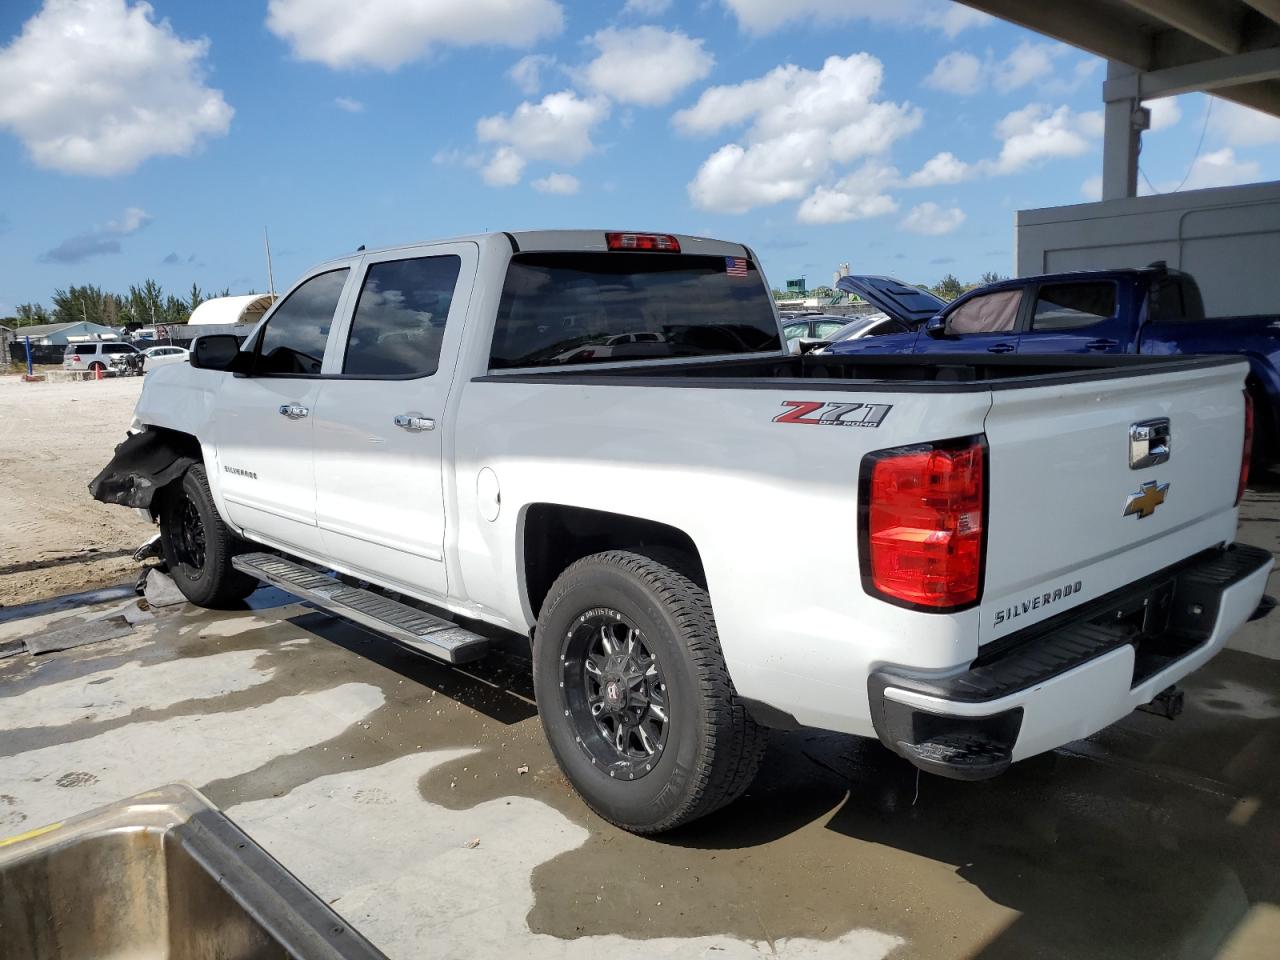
(1149, 496)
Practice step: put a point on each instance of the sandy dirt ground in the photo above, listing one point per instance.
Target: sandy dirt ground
(54, 537)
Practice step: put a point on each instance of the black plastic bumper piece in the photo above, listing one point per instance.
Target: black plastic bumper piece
(1164, 617)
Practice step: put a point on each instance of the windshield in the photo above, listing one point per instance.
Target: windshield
(560, 308)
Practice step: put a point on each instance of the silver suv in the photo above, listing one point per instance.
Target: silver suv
(109, 357)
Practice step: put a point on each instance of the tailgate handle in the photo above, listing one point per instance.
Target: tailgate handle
(1150, 443)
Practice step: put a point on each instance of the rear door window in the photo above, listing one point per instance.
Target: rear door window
(399, 319)
(587, 307)
(990, 313)
(1071, 306)
(293, 341)
(86, 350)
(117, 348)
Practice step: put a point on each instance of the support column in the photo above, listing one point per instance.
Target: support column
(1122, 136)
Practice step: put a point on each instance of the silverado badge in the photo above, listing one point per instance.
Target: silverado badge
(1149, 496)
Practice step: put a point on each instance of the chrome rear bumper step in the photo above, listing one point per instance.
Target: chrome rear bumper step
(414, 628)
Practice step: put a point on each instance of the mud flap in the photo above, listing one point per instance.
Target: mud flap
(143, 464)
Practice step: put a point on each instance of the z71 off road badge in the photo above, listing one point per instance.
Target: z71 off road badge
(833, 414)
(1149, 496)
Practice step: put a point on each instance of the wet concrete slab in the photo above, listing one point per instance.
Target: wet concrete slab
(423, 803)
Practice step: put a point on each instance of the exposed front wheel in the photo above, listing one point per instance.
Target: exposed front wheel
(634, 695)
(197, 546)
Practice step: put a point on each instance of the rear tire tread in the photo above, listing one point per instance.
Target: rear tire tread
(732, 742)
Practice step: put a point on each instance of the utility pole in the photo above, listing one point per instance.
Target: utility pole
(271, 280)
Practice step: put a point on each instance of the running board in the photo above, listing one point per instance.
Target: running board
(407, 625)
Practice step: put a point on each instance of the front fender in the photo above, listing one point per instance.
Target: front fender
(144, 464)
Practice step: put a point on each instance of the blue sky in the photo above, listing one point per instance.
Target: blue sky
(158, 140)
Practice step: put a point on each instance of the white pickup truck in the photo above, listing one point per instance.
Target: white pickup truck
(598, 441)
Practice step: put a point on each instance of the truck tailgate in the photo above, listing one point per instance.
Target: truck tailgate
(1060, 483)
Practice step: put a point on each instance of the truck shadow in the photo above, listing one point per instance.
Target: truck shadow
(499, 687)
(1150, 839)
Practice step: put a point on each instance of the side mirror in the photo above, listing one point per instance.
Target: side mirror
(216, 351)
(936, 327)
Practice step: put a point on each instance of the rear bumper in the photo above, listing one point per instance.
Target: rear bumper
(1072, 675)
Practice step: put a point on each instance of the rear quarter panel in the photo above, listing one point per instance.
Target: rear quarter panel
(771, 506)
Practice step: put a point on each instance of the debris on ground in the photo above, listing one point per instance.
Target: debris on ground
(160, 590)
(77, 635)
(522, 769)
(472, 843)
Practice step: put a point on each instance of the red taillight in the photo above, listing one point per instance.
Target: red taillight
(662, 242)
(1246, 453)
(922, 524)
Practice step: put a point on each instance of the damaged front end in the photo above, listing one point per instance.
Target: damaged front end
(144, 464)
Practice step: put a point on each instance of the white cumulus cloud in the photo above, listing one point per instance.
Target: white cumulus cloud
(558, 127)
(645, 65)
(964, 74)
(1242, 126)
(943, 168)
(526, 73)
(1165, 113)
(1037, 133)
(932, 220)
(388, 33)
(1027, 63)
(504, 168)
(1219, 169)
(348, 104)
(858, 196)
(959, 73)
(801, 126)
(99, 86)
(562, 183)
(1091, 189)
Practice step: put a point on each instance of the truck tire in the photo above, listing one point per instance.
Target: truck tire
(197, 546)
(634, 695)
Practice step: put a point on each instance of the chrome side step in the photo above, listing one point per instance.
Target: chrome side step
(407, 625)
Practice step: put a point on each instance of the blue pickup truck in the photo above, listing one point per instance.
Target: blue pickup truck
(1153, 310)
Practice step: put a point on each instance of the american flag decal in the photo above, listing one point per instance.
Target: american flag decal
(735, 266)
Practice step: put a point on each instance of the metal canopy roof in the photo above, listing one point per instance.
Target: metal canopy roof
(1228, 47)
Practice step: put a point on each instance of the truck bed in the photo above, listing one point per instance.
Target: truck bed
(934, 372)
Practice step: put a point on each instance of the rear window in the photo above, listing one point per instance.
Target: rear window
(560, 308)
(1066, 306)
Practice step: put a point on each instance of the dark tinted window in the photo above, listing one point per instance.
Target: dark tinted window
(399, 319)
(989, 313)
(594, 307)
(1175, 297)
(1068, 306)
(117, 348)
(86, 349)
(293, 340)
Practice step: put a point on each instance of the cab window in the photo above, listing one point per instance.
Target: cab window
(1070, 306)
(990, 313)
(399, 319)
(292, 342)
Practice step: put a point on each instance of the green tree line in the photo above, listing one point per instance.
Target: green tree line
(142, 306)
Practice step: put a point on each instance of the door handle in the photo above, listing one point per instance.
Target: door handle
(414, 422)
(1000, 348)
(294, 411)
(1101, 344)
